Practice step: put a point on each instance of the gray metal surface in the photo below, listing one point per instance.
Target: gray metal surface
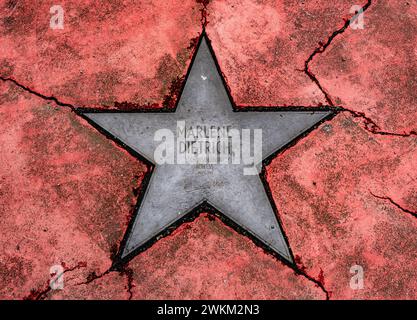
(176, 189)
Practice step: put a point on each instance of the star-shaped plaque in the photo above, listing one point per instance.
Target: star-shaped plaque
(176, 190)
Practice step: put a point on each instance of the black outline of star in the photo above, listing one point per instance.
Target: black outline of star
(118, 261)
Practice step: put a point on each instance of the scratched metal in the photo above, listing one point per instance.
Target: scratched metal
(175, 189)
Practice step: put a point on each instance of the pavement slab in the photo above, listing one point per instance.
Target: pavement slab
(106, 55)
(59, 198)
(338, 184)
(372, 71)
(262, 47)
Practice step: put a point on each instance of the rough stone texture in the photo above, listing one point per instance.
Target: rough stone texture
(112, 286)
(262, 47)
(374, 70)
(66, 193)
(346, 195)
(325, 190)
(207, 260)
(108, 52)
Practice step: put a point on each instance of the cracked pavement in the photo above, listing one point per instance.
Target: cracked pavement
(67, 192)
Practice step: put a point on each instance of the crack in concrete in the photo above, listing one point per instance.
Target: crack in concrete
(412, 213)
(318, 282)
(92, 276)
(300, 269)
(55, 100)
(373, 128)
(128, 272)
(322, 47)
(42, 293)
(370, 125)
(203, 11)
(123, 270)
(38, 94)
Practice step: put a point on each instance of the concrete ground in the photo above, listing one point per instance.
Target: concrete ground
(346, 193)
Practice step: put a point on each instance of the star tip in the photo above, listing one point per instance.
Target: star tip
(290, 260)
(286, 257)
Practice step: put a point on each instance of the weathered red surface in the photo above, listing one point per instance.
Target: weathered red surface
(109, 52)
(326, 189)
(66, 193)
(262, 47)
(207, 260)
(346, 194)
(374, 70)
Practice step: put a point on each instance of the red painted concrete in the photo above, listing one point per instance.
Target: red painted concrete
(207, 260)
(66, 193)
(324, 189)
(345, 195)
(374, 70)
(262, 47)
(107, 52)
